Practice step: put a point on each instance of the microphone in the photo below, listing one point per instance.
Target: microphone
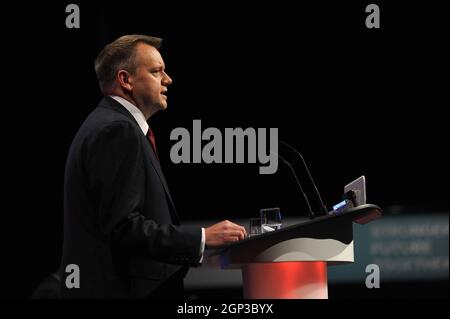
(323, 208)
(310, 211)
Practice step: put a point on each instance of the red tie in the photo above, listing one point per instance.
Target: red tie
(151, 137)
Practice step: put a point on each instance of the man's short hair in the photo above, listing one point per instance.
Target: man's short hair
(120, 55)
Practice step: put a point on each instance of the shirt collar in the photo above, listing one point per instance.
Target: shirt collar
(137, 113)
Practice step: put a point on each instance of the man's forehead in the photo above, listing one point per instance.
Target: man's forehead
(148, 54)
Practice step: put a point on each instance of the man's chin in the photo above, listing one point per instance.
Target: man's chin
(163, 105)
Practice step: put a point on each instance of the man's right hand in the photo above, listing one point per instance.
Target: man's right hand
(224, 232)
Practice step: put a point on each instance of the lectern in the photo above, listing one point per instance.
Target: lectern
(291, 263)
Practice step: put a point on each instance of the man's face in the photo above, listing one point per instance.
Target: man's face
(149, 81)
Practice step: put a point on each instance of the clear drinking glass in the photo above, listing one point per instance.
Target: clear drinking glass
(270, 219)
(254, 227)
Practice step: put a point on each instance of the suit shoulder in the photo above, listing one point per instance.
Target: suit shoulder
(99, 130)
(118, 130)
(104, 121)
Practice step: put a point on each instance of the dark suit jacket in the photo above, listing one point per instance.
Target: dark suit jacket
(120, 224)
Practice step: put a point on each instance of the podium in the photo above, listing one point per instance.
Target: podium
(291, 263)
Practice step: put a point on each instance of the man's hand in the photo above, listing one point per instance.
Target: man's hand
(224, 232)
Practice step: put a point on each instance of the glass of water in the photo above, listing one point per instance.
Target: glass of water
(254, 227)
(270, 219)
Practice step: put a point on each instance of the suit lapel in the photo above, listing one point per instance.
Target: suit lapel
(157, 167)
(110, 103)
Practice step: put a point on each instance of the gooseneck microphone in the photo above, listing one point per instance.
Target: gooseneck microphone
(323, 208)
(310, 211)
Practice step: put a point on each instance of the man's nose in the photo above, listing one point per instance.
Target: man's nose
(166, 79)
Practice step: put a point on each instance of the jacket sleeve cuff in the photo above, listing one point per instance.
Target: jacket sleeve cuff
(202, 245)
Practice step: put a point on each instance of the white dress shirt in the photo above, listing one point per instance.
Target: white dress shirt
(140, 119)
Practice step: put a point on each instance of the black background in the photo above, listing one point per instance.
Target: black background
(354, 101)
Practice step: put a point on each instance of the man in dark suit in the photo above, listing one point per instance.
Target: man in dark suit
(120, 224)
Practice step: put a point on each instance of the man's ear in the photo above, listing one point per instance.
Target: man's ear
(124, 80)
